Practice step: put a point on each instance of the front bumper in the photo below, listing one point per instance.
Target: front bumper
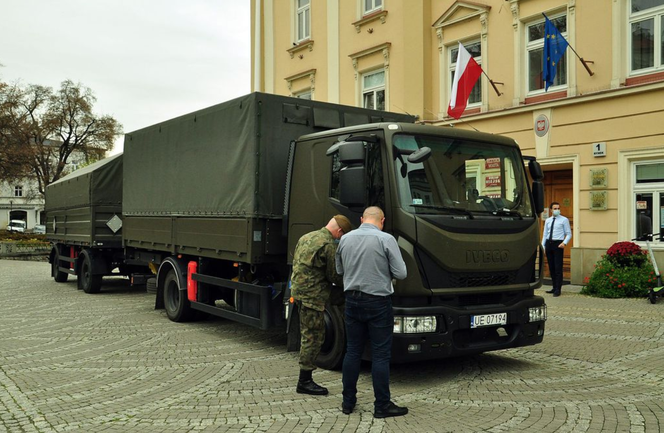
(455, 337)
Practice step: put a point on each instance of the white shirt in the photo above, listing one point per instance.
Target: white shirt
(561, 229)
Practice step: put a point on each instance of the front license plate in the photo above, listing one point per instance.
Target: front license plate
(488, 320)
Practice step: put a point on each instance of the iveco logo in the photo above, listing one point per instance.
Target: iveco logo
(487, 256)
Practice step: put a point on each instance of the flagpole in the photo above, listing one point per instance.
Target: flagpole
(583, 62)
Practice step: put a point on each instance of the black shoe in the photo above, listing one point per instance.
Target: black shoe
(556, 294)
(550, 291)
(391, 410)
(310, 387)
(347, 410)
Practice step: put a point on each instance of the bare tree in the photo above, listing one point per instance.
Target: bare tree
(41, 128)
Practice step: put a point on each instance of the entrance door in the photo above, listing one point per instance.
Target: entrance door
(558, 187)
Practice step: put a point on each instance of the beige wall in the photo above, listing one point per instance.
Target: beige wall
(418, 34)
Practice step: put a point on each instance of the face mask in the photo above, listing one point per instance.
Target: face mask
(556, 212)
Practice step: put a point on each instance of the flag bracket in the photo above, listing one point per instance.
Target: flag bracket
(493, 84)
(585, 65)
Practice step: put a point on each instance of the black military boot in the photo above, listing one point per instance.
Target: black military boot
(306, 385)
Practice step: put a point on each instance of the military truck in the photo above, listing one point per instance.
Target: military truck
(215, 202)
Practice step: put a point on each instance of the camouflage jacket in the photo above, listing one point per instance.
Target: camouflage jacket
(314, 269)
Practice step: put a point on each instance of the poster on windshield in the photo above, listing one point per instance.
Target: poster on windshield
(491, 181)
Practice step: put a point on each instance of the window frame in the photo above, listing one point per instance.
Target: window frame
(305, 94)
(451, 67)
(657, 15)
(531, 46)
(18, 191)
(374, 90)
(656, 190)
(375, 8)
(305, 12)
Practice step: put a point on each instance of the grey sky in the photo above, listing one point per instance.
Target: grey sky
(146, 60)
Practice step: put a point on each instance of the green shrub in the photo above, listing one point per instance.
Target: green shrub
(623, 272)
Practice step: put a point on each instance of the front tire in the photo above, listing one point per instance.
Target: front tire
(334, 347)
(178, 308)
(87, 281)
(652, 297)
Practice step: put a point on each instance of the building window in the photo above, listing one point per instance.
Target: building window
(18, 191)
(649, 200)
(303, 20)
(535, 51)
(371, 6)
(646, 24)
(475, 50)
(304, 95)
(373, 90)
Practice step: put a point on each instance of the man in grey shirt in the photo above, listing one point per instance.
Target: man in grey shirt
(368, 259)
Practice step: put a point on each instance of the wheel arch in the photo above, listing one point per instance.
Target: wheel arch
(179, 265)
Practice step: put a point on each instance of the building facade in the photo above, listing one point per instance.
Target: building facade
(598, 131)
(20, 199)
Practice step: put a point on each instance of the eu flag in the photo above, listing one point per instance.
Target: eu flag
(554, 49)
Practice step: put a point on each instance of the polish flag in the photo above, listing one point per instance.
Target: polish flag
(465, 76)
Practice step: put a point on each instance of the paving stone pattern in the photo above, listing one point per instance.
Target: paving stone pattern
(111, 363)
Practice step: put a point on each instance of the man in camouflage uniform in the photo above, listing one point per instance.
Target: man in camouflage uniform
(313, 274)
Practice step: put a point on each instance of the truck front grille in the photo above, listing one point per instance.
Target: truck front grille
(481, 279)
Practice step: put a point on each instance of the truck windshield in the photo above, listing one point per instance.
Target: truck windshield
(461, 178)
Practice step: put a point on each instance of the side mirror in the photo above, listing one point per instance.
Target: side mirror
(420, 155)
(538, 196)
(352, 152)
(351, 186)
(535, 170)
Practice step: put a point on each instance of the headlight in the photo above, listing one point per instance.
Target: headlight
(537, 314)
(414, 325)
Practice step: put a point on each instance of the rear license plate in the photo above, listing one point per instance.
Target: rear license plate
(488, 320)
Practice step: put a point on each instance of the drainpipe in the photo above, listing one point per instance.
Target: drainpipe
(257, 48)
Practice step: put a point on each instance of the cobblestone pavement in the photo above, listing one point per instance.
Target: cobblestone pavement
(111, 363)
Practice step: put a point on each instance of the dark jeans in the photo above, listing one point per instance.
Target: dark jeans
(554, 256)
(368, 317)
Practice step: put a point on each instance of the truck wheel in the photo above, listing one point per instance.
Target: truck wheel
(87, 281)
(56, 273)
(334, 347)
(176, 303)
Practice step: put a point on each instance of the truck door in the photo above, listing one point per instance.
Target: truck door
(309, 205)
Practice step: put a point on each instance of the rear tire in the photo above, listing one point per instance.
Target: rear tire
(178, 308)
(87, 281)
(56, 273)
(652, 296)
(334, 347)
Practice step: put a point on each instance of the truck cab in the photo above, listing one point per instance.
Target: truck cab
(464, 215)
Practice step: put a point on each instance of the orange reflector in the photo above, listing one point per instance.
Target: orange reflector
(291, 300)
(236, 264)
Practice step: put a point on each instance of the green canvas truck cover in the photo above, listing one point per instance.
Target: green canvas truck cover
(97, 184)
(229, 159)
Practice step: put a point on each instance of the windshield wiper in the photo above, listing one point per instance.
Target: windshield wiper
(446, 208)
(507, 212)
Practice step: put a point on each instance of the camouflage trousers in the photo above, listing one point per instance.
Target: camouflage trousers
(312, 335)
